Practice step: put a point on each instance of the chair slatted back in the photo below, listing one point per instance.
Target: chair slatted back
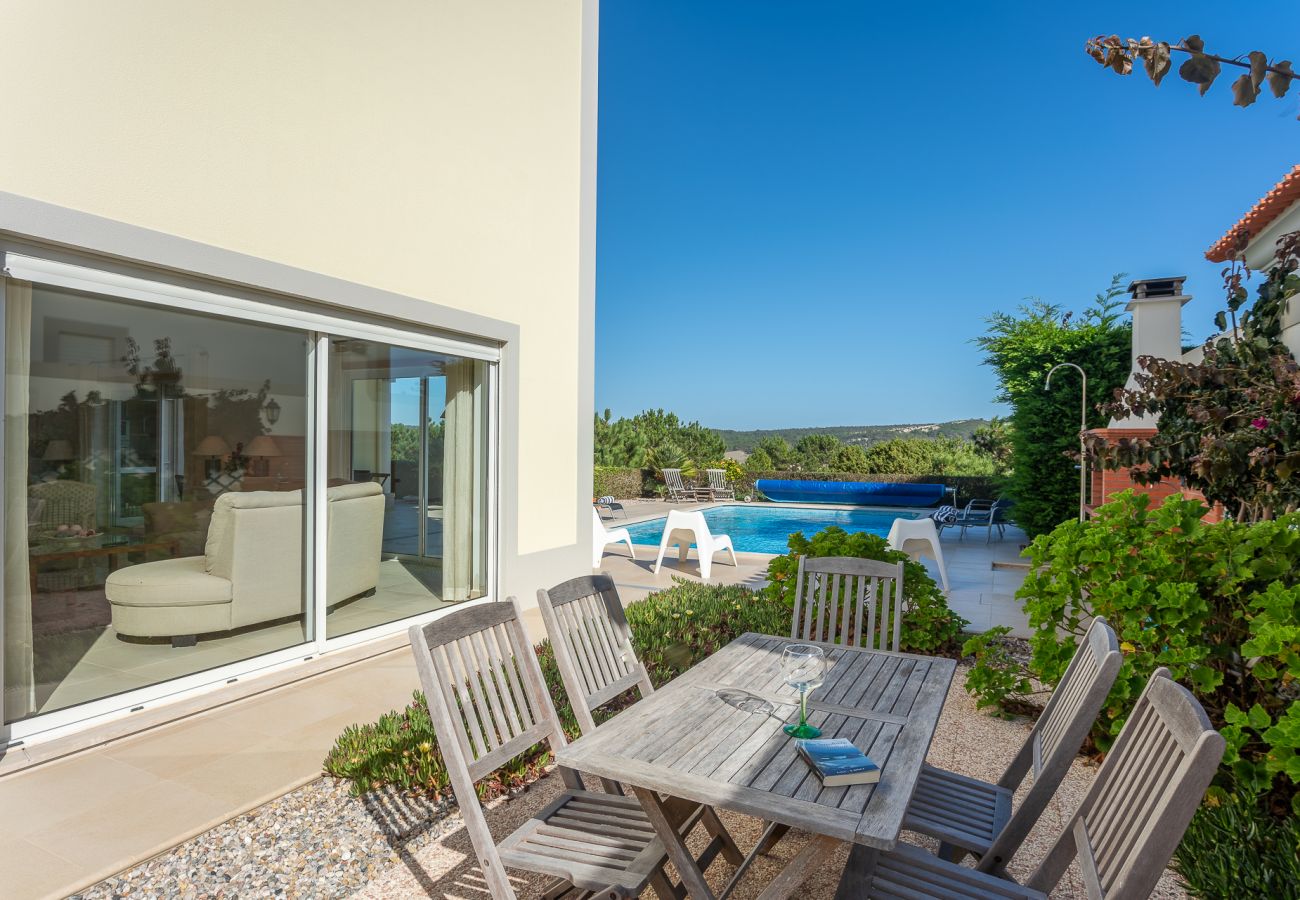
(488, 703)
(592, 642)
(717, 479)
(850, 601)
(484, 686)
(673, 478)
(1079, 694)
(1127, 827)
(1057, 736)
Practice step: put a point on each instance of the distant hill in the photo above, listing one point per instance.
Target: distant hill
(854, 434)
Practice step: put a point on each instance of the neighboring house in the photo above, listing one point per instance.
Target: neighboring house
(1157, 315)
(298, 330)
(1253, 239)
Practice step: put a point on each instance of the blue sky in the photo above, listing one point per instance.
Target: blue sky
(807, 209)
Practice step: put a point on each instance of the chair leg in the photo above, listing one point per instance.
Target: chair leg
(951, 852)
(630, 551)
(664, 887)
(858, 873)
(808, 860)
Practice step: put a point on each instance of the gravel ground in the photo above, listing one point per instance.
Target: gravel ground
(320, 842)
(316, 842)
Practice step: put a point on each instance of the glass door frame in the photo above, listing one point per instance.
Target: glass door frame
(318, 324)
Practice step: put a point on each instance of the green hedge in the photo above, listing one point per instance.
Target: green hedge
(614, 481)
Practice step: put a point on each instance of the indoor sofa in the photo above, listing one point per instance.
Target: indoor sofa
(251, 568)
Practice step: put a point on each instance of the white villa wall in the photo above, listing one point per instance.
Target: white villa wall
(1259, 256)
(435, 149)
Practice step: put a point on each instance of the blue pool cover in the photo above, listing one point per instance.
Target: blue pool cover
(858, 493)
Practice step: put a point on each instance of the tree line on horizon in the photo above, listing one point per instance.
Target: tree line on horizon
(658, 440)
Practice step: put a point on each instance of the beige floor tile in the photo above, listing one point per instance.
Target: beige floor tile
(280, 713)
(97, 835)
(44, 791)
(28, 871)
(264, 769)
(175, 749)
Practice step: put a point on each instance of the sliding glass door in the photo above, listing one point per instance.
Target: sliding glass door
(194, 486)
(409, 428)
(153, 472)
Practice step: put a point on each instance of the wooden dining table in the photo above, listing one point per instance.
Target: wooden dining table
(714, 735)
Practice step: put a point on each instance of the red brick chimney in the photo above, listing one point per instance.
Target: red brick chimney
(1157, 331)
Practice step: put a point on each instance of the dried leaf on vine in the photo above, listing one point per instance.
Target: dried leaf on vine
(1244, 91)
(1200, 69)
(1280, 82)
(1258, 68)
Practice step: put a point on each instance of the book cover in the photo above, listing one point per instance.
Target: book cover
(838, 762)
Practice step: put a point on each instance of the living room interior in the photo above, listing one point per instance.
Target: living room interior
(167, 461)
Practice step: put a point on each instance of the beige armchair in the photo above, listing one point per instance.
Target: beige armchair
(251, 568)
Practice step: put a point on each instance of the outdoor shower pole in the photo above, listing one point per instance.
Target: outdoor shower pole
(1083, 426)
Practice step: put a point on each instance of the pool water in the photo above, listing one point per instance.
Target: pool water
(767, 529)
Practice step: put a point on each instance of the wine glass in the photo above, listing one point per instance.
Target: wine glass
(804, 667)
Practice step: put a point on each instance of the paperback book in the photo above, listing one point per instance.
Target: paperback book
(837, 762)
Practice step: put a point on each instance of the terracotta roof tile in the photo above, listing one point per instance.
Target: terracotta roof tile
(1269, 207)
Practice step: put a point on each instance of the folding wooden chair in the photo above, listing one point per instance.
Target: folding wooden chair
(489, 704)
(973, 816)
(593, 649)
(1123, 833)
(848, 600)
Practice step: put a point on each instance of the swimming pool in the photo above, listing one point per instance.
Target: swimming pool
(767, 529)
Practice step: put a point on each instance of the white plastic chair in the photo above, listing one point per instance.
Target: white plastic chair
(917, 537)
(601, 537)
(685, 528)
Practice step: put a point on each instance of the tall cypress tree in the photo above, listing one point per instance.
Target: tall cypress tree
(1022, 348)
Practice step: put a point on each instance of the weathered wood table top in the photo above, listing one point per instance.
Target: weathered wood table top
(700, 737)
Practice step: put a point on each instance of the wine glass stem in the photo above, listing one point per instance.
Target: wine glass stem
(803, 706)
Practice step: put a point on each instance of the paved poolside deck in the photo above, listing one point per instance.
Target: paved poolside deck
(983, 577)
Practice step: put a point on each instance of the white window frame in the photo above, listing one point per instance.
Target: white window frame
(318, 327)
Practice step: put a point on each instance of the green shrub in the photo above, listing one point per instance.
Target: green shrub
(675, 628)
(929, 626)
(617, 481)
(1218, 605)
(1234, 849)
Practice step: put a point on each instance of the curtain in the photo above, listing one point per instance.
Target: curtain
(462, 484)
(19, 670)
